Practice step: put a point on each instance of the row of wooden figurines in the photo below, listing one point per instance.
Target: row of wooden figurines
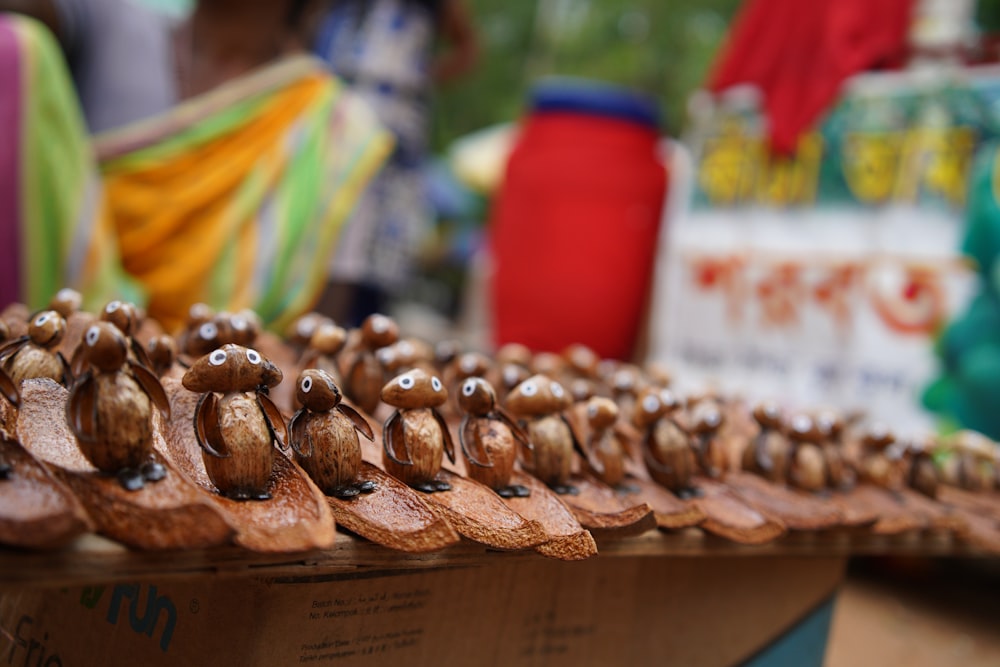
(541, 409)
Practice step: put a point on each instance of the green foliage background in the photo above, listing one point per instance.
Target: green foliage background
(662, 47)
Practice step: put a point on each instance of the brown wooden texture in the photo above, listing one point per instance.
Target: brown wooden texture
(796, 509)
(729, 516)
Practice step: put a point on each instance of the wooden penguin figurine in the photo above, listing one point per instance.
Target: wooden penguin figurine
(972, 465)
(666, 447)
(12, 396)
(768, 453)
(603, 451)
(363, 376)
(922, 473)
(34, 355)
(539, 403)
(841, 475)
(807, 468)
(110, 408)
(881, 461)
(236, 431)
(323, 435)
(415, 436)
(706, 418)
(161, 350)
(66, 302)
(127, 318)
(489, 438)
(324, 345)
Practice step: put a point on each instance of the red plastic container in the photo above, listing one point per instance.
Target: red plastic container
(573, 231)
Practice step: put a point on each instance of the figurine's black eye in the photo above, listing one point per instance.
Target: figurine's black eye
(253, 356)
(557, 390)
(650, 403)
(42, 319)
(217, 358)
(306, 385)
(112, 306)
(93, 333)
(529, 388)
(436, 384)
(406, 382)
(469, 388)
(208, 331)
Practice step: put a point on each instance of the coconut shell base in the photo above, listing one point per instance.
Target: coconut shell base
(567, 539)
(797, 510)
(729, 516)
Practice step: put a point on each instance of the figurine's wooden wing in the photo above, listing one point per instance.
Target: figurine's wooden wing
(449, 444)
(9, 389)
(275, 420)
(11, 347)
(515, 428)
(761, 454)
(140, 353)
(78, 362)
(206, 426)
(81, 408)
(392, 437)
(360, 423)
(151, 385)
(577, 444)
(309, 358)
(472, 444)
(298, 435)
(651, 462)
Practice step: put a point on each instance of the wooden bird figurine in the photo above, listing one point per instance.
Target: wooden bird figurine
(603, 449)
(922, 473)
(324, 345)
(807, 467)
(768, 453)
(489, 438)
(110, 409)
(10, 392)
(236, 431)
(881, 461)
(415, 436)
(666, 446)
(34, 355)
(840, 474)
(706, 418)
(972, 464)
(539, 403)
(323, 435)
(66, 302)
(127, 318)
(161, 350)
(363, 376)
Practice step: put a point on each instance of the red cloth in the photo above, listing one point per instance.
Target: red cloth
(799, 52)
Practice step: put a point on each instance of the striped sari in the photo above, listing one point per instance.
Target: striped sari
(234, 198)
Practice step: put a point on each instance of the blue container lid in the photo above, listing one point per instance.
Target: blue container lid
(595, 97)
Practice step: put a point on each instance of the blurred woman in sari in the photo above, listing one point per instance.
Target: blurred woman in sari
(228, 184)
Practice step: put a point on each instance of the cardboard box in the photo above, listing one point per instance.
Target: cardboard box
(604, 611)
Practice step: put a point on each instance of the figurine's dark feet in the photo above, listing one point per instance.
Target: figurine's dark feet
(627, 488)
(131, 479)
(238, 495)
(565, 489)
(441, 486)
(514, 491)
(825, 494)
(5, 470)
(367, 487)
(689, 493)
(344, 492)
(153, 471)
(263, 495)
(426, 487)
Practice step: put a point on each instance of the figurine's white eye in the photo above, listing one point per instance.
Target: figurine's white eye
(650, 403)
(113, 306)
(436, 384)
(208, 331)
(592, 411)
(253, 356)
(801, 423)
(467, 364)
(469, 388)
(406, 348)
(306, 385)
(239, 323)
(557, 390)
(42, 319)
(510, 375)
(217, 358)
(93, 333)
(380, 324)
(64, 294)
(406, 382)
(304, 327)
(529, 388)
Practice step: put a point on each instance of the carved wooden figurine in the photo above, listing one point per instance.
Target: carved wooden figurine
(323, 435)
(604, 451)
(922, 473)
(66, 302)
(539, 402)
(110, 409)
(10, 392)
(415, 436)
(489, 438)
(706, 418)
(363, 376)
(34, 355)
(324, 345)
(236, 431)
(768, 453)
(881, 461)
(161, 350)
(972, 461)
(841, 475)
(666, 447)
(807, 468)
